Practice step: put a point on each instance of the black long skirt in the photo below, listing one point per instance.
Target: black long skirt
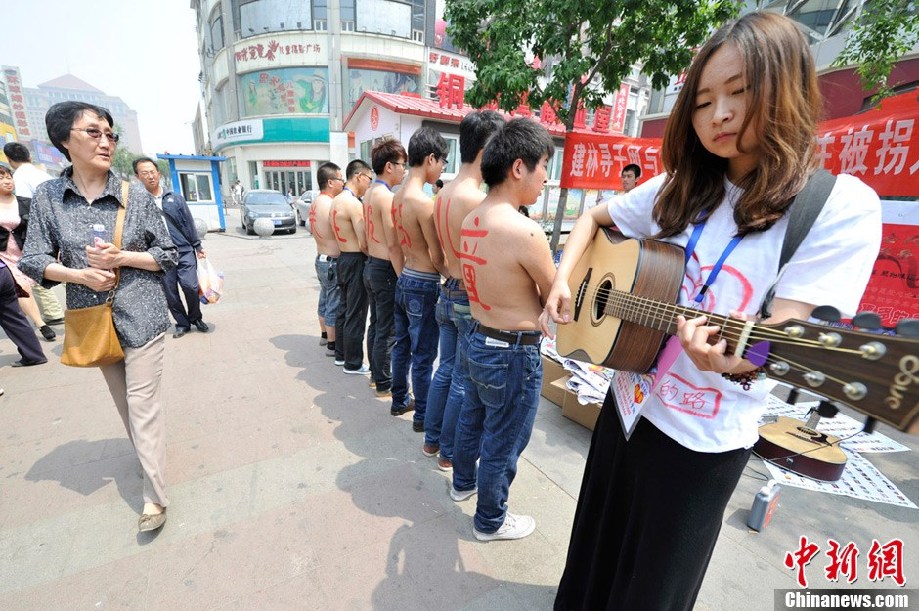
(647, 519)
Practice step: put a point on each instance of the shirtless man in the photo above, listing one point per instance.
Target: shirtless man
(508, 271)
(417, 288)
(388, 159)
(347, 219)
(330, 184)
(454, 202)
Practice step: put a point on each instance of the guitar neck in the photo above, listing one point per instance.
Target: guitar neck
(663, 316)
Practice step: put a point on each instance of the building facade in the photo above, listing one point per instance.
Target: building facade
(70, 88)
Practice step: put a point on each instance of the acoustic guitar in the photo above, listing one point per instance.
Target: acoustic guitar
(623, 295)
(800, 448)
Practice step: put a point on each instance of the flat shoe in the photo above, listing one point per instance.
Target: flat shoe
(201, 326)
(29, 363)
(48, 333)
(179, 333)
(148, 522)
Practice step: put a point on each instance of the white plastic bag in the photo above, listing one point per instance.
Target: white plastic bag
(210, 282)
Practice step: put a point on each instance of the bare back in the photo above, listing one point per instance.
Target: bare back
(507, 266)
(454, 202)
(413, 218)
(377, 213)
(347, 219)
(321, 226)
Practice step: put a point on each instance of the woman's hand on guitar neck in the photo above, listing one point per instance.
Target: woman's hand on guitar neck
(698, 343)
(557, 308)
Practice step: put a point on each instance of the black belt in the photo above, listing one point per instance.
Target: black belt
(524, 338)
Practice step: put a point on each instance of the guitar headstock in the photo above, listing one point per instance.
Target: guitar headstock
(876, 374)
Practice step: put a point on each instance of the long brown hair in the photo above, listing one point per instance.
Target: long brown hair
(785, 105)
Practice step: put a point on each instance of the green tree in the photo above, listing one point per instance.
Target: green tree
(123, 165)
(884, 31)
(589, 46)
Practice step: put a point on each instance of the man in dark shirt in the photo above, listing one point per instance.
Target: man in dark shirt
(182, 230)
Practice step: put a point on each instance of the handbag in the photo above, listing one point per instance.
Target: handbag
(89, 333)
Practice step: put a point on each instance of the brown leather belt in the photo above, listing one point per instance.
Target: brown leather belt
(524, 338)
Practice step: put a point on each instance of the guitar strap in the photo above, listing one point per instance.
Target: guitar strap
(802, 213)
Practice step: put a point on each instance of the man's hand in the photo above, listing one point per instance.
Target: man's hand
(97, 279)
(558, 307)
(201, 254)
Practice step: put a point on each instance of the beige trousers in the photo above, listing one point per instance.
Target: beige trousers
(48, 304)
(135, 387)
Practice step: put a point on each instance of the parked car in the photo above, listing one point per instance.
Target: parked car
(302, 206)
(266, 203)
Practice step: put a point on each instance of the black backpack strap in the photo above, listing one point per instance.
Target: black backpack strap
(801, 216)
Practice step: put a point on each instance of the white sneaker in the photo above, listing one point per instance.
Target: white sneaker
(514, 527)
(364, 370)
(461, 495)
(339, 363)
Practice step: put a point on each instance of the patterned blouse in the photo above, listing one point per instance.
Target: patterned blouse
(60, 224)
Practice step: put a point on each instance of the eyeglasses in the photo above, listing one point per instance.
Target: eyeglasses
(367, 176)
(402, 164)
(92, 132)
(147, 174)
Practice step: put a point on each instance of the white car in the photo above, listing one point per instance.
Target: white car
(302, 207)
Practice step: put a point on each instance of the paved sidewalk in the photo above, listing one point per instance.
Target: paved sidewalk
(293, 488)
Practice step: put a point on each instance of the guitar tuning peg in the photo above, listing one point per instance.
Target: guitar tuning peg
(867, 320)
(826, 314)
(908, 327)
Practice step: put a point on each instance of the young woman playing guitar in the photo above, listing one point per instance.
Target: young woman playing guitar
(739, 146)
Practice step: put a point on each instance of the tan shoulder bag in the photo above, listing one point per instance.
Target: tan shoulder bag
(89, 333)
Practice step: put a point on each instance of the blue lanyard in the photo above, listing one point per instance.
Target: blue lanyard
(713, 275)
(348, 190)
(378, 181)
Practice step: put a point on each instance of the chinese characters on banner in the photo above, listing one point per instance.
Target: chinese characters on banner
(595, 161)
(880, 146)
(620, 108)
(451, 90)
(17, 103)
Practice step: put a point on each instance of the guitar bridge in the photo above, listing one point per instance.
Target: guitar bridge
(582, 291)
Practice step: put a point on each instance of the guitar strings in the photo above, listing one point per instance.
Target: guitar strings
(660, 309)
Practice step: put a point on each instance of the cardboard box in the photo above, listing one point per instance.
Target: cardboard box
(585, 415)
(551, 371)
(555, 390)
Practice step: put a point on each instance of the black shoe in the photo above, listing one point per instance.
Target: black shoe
(180, 331)
(398, 411)
(48, 333)
(55, 321)
(25, 363)
(200, 325)
(418, 427)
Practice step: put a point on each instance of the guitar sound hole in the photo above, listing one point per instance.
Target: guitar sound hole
(604, 290)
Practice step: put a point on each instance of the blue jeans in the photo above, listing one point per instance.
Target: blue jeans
(328, 291)
(499, 410)
(416, 338)
(445, 397)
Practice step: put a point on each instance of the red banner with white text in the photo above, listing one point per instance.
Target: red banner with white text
(880, 146)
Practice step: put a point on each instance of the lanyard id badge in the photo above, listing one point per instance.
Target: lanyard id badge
(631, 391)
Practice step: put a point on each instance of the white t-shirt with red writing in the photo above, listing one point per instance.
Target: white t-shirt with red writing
(701, 410)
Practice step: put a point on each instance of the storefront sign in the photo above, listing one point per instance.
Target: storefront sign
(17, 101)
(273, 49)
(285, 163)
(239, 131)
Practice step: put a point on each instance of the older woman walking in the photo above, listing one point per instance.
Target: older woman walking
(63, 214)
